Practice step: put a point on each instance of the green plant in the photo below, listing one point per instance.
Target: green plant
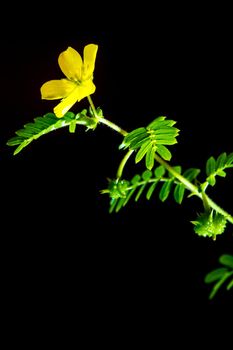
(221, 276)
(149, 144)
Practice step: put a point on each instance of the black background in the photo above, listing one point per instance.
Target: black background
(64, 257)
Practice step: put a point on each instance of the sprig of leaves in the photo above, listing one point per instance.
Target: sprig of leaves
(222, 275)
(121, 191)
(217, 167)
(151, 139)
(49, 122)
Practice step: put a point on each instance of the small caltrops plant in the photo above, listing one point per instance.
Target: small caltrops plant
(149, 144)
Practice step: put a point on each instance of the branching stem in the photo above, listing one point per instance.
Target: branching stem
(189, 185)
(192, 188)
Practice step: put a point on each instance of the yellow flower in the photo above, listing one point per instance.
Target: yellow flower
(78, 82)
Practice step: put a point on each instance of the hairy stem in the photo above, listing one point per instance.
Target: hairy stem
(106, 121)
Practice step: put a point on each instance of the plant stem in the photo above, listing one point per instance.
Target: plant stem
(123, 162)
(218, 209)
(178, 176)
(106, 121)
(192, 188)
(189, 185)
(112, 125)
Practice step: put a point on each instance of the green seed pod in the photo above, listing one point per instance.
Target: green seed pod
(210, 224)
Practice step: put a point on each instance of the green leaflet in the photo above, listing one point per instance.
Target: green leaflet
(164, 152)
(137, 134)
(150, 157)
(165, 190)
(210, 166)
(216, 167)
(142, 151)
(151, 189)
(230, 285)
(159, 171)
(72, 126)
(219, 276)
(158, 122)
(221, 161)
(227, 260)
(47, 123)
(179, 191)
(191, 173)
(146, 141)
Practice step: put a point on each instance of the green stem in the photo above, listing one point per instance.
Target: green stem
(205, 201)
(180, 177)
(106, 121)
(112, 125)
(218, 209)
(123, 162)
(192, 188)
(92, 106)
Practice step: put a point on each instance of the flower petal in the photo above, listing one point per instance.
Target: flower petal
(71, 63)
(56, 89)
(89, 57)
(76, 95)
